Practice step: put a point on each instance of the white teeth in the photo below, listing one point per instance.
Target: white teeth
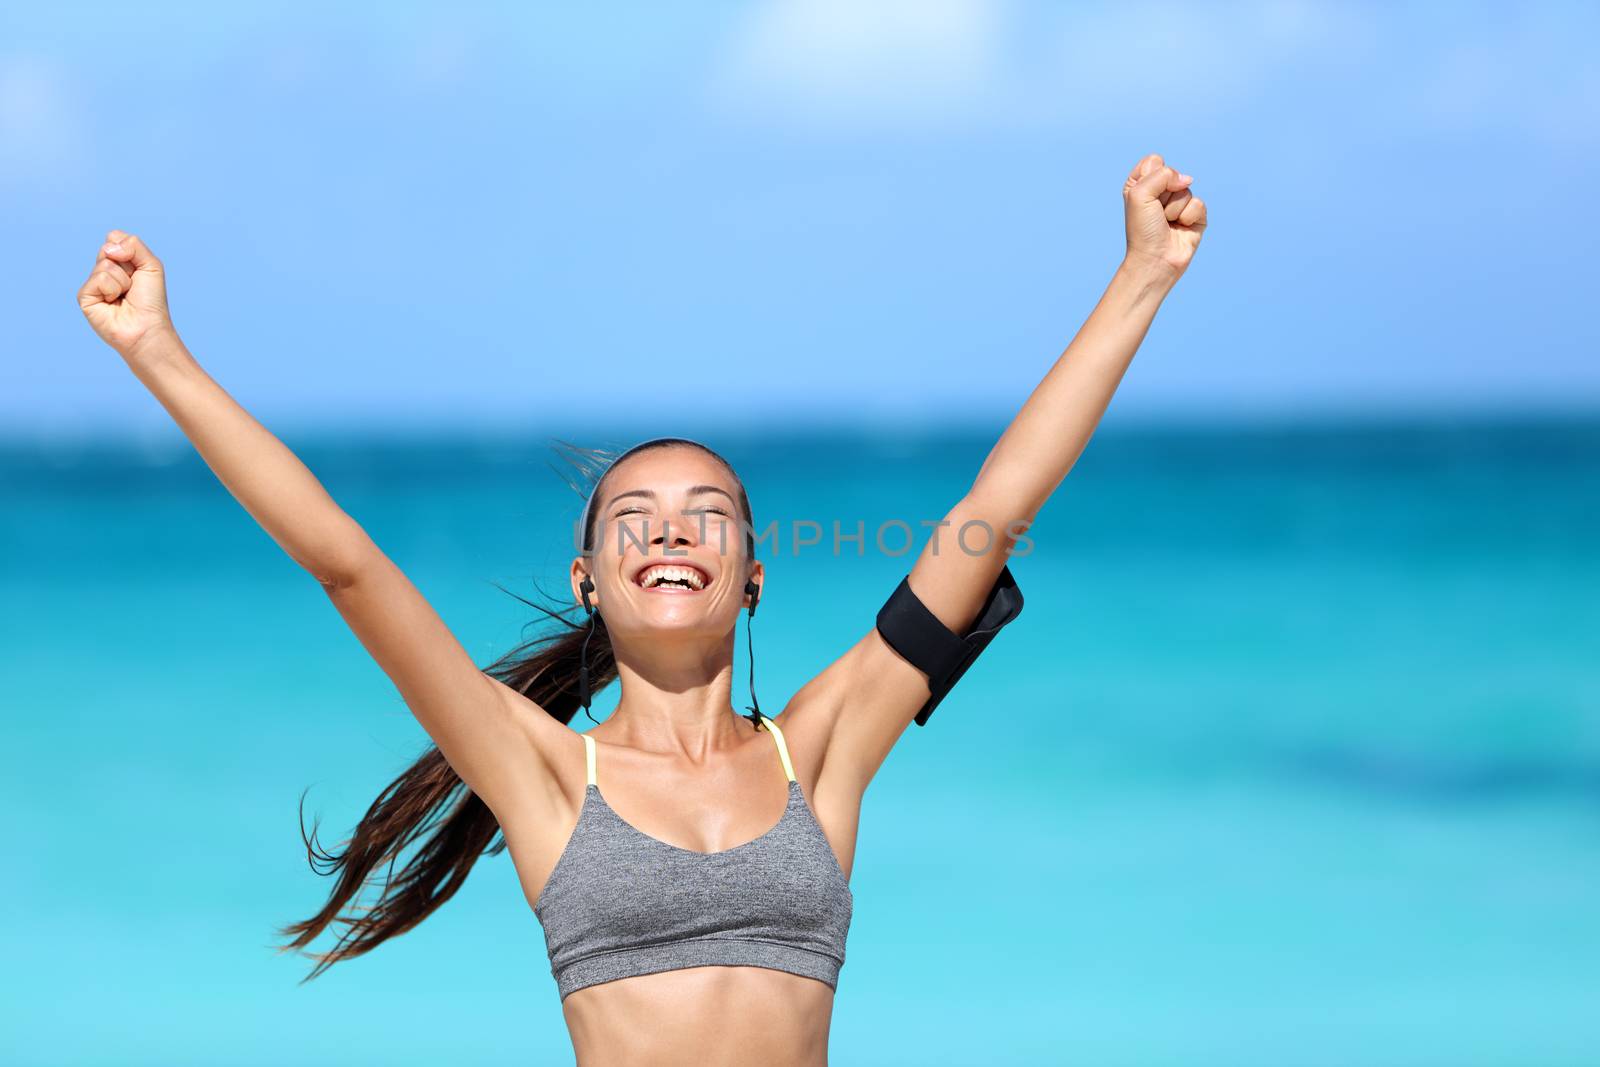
(654, 576)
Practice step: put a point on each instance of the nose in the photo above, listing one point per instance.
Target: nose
(676, 528)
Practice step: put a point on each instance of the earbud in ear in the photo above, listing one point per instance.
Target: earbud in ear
(754, 592)
(586, 587)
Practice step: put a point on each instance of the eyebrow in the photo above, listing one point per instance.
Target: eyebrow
(649, 494)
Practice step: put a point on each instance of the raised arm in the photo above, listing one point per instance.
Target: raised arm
(865, 700)
(488, 732)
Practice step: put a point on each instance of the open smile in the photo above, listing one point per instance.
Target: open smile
(672, 578)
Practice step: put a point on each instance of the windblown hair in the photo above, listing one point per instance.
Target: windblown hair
(428, 805)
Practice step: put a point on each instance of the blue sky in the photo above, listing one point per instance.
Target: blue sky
(537, 217)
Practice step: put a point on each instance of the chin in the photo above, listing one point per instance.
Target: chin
(679, 620)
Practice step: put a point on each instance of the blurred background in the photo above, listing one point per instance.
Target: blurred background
(1293, 757)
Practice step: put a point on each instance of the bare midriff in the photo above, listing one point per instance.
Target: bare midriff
(702, 1017)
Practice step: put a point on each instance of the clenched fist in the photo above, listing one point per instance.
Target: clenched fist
(1165, 220)
(125, 298)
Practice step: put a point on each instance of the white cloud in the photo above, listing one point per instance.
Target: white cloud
(901, 60)
(901, 64)
(955, 61)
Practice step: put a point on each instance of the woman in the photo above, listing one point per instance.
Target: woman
(691, 912)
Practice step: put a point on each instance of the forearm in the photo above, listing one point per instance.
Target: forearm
(264, 476)
(1051, 431)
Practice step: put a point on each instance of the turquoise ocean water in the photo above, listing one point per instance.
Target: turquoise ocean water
(1292, 759)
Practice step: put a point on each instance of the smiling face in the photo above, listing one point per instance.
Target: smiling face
(669, 548)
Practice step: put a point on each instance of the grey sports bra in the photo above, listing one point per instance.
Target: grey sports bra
(621, 903)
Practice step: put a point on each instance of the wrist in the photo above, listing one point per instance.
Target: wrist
(158, 347)
(1150, 273)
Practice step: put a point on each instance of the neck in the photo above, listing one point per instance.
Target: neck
(676, 699)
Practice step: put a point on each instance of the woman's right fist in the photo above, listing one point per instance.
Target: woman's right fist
(125, 298)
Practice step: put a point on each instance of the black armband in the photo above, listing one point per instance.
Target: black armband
(917, 635)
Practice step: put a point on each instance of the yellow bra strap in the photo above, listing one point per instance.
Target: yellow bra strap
(783, 749)
(588, 752)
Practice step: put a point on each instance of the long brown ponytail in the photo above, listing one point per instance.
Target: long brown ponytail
(428, 805)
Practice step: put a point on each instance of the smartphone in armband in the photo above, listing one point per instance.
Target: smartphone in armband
(916, 634)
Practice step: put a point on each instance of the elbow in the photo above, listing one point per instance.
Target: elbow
(342, 566)
(336, 575)
(1007, 512)
(332, 581)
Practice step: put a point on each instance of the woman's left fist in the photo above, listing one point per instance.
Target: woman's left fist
(1165, 219)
